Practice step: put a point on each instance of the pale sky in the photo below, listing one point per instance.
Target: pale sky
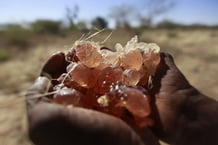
(186, 11)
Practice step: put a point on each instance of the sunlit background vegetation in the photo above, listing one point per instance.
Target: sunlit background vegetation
(25, 46)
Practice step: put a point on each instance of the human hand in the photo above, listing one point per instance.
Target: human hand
(53, 124)
(169, 94)
(182, 114)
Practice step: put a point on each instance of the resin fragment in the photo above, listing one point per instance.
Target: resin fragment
(108, 77)
(113, 82)
(131, 60)
(133, 100)
(151, 61)
(88, 54)
(131, 77)
(103, 101)
(68, 96)
(136, 101)
(82, 75)
(110, 57)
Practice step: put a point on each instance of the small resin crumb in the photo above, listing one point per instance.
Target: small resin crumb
(103, 101)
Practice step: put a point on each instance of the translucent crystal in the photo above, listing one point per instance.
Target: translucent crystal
(67, 96)
(135, 102)
(113, 82)
(119, 48)
(131, 45)
(107, 77)
(83, 75)
(151, 61)
(123, 98)
(131, 77)
(131, 60)
(154, 47)
(144, 77)
(88, 55)
(142, 46)
(110, 57)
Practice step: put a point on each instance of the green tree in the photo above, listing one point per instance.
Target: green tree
(16, 35)
(168, 24)
(99, 23)
(46, 27)
(72, 16)
(82, 25)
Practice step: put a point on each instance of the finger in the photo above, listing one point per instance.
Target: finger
(167, 71)
(169, 85)
(167, 58)
(52, 124)
(166, 62)
(37, 90)
(55, 65)
(174, 76)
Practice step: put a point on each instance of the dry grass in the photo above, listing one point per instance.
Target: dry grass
(195, 53)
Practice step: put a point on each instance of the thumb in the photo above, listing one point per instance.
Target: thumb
(55, 65)
(37, 90)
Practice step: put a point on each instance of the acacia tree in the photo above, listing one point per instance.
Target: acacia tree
(122, 15)
(72, 15)
(99, 23)
(153, 9)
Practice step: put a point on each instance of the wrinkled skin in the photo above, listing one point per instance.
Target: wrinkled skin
(176, 107)
(183, 116)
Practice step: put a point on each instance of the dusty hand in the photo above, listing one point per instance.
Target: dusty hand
(182, 114)
(53, 124)
(169, 94)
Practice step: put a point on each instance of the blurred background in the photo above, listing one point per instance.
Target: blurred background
(31, 30)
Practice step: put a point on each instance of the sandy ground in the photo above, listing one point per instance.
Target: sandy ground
(195, 53)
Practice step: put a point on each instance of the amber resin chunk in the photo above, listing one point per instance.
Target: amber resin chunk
(107, 77)
(113, 82)
(132, 99)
